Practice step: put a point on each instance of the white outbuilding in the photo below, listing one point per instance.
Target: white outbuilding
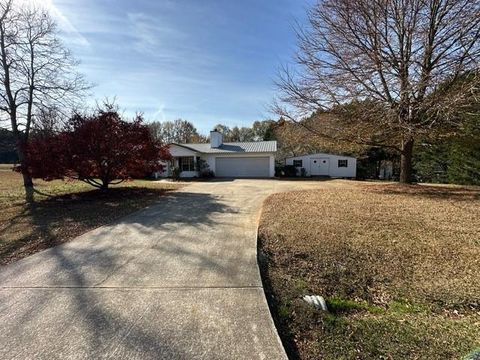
(322, 164)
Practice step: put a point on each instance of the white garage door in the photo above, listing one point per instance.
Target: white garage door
(242, 167)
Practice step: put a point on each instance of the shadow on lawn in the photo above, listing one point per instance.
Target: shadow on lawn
(318, 178)
(56, 219)
(104, 330)
(430, 191)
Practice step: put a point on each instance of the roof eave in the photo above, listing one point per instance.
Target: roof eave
(186, 147)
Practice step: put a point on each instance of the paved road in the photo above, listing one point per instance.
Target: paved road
(178, 280)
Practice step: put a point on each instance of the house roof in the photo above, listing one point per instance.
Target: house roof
(234, 147)
(319, 154)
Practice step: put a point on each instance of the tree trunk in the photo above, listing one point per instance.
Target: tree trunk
(27, 179)
(406, 161)
(28, 184)
(104, 185)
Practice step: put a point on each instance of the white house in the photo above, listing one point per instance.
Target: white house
(233, 159)
(325, 165)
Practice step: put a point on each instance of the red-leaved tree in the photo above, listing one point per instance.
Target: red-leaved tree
(99, 149)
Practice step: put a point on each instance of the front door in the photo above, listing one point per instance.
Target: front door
(319, 166)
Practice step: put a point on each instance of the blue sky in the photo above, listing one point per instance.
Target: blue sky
(206, 61)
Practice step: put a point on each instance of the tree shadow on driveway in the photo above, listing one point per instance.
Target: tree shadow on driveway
(29, 228)
(58, 303)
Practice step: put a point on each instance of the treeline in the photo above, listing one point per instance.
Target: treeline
(454, 159)
(260, 131)
(8, 154)
(183, 132)
(177, 131)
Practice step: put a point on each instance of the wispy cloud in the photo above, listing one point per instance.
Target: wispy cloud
(144, 30)
(159, 115)
(150, 33)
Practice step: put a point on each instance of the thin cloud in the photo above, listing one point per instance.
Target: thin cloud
(149, 33)
(144, 32)
(159, 114)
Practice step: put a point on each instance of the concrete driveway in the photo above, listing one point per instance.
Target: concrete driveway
(177, 280)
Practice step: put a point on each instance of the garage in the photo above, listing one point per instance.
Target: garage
(242, 167)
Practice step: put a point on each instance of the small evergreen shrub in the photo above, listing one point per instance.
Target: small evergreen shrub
(286, 171)
(204, 170)
(176, 173)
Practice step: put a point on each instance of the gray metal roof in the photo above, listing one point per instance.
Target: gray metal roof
(234, 147)
(320, 154)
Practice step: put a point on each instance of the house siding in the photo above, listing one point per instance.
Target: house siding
(180, 151)
(334, 171)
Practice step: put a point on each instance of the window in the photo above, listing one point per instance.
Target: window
(186, 163)
(342, 163)
(297, 163)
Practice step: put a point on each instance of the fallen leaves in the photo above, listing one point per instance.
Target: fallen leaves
(378, 243)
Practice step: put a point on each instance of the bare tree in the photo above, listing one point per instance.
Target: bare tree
(36, 73)
(177, 131)
(399, 61)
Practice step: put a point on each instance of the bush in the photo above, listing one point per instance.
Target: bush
(286, 171)
(176, 173)
(203, 169)
(290, 171)
(207, 174)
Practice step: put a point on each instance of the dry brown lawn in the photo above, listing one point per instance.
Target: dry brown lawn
(63, 210)
(398, 265)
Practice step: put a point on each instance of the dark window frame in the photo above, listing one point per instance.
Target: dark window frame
(296, 161)
(342, 163)
(186, 163)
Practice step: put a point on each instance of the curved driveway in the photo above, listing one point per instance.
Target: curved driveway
(177, 280)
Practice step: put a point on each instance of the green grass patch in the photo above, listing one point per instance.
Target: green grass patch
(301, 286)
(284, 311)
(402, 306)
(338, 306)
